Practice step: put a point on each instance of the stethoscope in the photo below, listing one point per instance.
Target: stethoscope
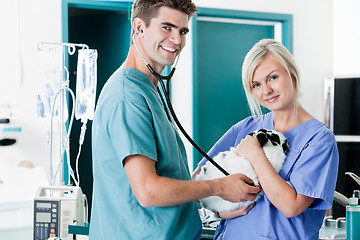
(168, 101)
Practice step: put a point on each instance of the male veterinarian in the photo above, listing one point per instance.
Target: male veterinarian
(142, 186)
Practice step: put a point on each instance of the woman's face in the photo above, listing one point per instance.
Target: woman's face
(272, 86)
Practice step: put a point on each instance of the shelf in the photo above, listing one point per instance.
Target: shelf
(347, 138)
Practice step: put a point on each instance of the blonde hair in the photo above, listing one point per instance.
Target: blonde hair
(254, 57)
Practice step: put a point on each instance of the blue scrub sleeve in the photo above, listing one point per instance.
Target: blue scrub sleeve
(233, 137)
(223, 144)
(131, 131)
(315, 172)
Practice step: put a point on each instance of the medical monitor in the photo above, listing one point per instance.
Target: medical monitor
(343, 105)
(342, 98)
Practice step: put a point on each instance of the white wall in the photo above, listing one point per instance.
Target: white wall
(23, 24)
(346, 37)
(318, 49)
(312, 50)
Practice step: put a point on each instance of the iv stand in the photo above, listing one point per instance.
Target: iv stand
(71, 51)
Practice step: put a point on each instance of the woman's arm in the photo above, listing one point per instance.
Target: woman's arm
(280, 193)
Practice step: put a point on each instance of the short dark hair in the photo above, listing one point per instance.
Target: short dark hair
(148, 9)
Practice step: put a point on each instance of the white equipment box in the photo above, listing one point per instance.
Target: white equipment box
(55, 208)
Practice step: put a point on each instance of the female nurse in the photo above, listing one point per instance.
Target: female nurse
(296, 199)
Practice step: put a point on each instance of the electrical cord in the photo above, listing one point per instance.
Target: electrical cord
(86, 208)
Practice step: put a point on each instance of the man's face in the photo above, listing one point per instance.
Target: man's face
(165, 37)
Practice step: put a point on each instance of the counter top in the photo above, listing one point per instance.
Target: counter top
(332, 233)
(208, 233)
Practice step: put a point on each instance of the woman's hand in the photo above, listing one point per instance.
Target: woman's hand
(196, 172)
(248, 148)
(236, 212)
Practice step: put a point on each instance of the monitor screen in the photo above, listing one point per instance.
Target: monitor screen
(346, 106)
(44, 217)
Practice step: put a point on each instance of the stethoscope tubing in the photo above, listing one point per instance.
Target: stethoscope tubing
(168, 101)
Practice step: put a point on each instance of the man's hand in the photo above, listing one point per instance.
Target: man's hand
(236, 188)
(236, 212)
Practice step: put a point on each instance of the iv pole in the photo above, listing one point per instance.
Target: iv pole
(64, 86)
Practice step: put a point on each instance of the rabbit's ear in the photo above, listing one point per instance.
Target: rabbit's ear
(274, 138)
(285, 146)
(262, 138)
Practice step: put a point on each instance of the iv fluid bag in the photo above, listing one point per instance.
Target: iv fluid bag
(86, 81)
(49, 82)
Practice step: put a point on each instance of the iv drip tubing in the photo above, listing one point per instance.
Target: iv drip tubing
(53, 177)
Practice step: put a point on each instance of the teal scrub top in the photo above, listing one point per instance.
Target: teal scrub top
(130, 119)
